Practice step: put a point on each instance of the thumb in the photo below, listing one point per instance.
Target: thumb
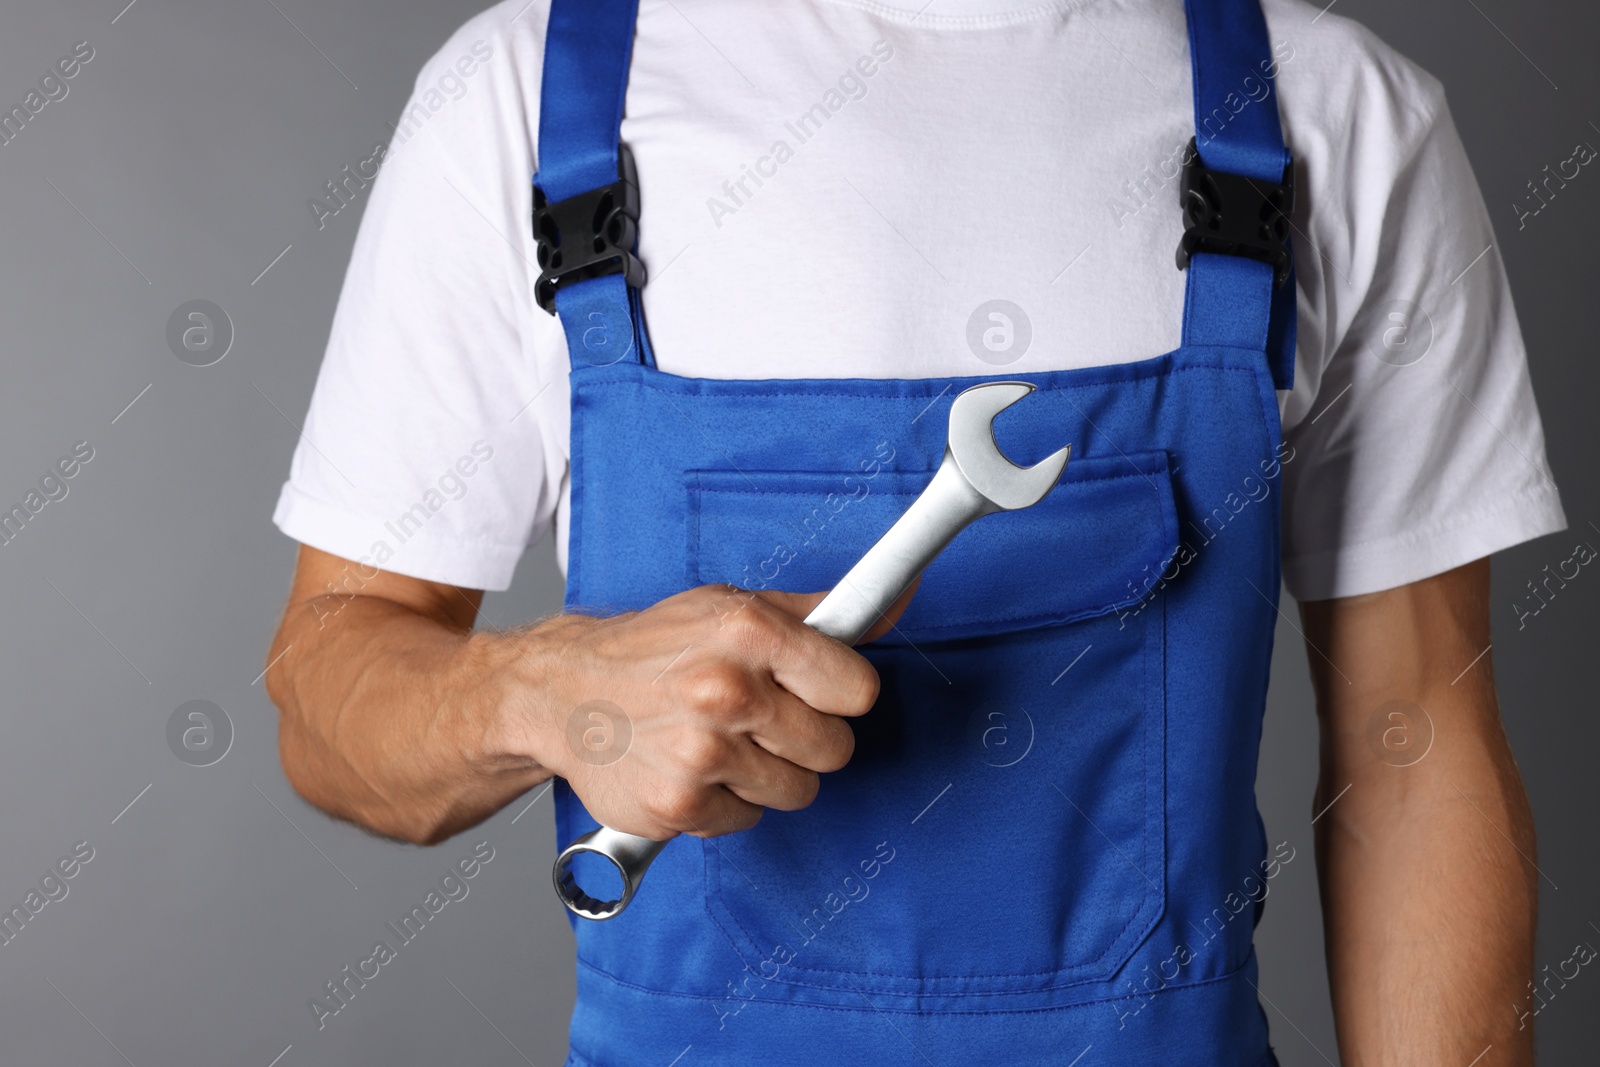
(802, 604)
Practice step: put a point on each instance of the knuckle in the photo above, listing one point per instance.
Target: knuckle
(677, 806)
(751, 624)
(702, 754)
(719, 688)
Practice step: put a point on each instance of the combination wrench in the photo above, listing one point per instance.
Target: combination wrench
(973, 480)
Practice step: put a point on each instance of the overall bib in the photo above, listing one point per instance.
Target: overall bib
(1046, 845)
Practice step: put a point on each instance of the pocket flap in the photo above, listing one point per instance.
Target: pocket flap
(1096, 544)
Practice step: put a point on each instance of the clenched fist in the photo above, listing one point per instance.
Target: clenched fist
(728, 704)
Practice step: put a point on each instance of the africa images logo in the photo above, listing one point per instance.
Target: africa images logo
(52, 87)
(851, 85)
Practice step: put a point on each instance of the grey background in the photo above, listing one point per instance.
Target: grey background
(218, 902)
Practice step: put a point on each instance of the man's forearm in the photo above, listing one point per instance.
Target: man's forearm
(390, 717)
(396, 716)
(1427, 906)
(1426, 844)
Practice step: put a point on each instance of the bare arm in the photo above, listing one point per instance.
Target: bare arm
(1426, 859)
(395, 715)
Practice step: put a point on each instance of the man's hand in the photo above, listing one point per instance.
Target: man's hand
(1425, 846)
(732, 702)
(398, 717)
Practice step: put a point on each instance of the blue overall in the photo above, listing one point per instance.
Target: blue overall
(1047, 840)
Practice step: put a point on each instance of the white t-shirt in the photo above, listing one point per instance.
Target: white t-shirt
(840, 188)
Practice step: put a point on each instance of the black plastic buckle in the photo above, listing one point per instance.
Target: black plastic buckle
(589, 235)
(1236, 216)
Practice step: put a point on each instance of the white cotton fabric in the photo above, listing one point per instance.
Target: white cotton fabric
(833, 189)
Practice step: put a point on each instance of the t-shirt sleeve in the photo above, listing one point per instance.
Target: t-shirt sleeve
(435, 443)
(1416, 443)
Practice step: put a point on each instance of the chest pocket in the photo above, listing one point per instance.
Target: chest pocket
(1001, 826)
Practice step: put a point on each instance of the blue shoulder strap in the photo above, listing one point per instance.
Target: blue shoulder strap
(1230, 300)
(587, 49)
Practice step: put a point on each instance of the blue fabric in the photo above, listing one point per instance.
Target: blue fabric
(1047, 838)
(1237, 129)
(588, 46)
(1231, 54)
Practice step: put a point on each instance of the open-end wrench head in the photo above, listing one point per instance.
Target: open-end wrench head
(972, 446)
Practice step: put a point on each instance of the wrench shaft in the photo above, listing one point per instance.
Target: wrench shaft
(871, 587)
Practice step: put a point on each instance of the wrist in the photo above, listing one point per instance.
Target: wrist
(520, 711)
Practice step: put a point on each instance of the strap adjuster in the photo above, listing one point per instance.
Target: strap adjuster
(589, 235)
(1236, 215)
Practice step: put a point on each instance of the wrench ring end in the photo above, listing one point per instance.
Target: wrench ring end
(630, 854)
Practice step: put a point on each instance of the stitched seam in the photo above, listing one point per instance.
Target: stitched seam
(1071, 968)
(1112, 379)
(1082, 615)
(1406, 537)
(312, 502)
(1232, 975)
(824, 971)
(1143, 475)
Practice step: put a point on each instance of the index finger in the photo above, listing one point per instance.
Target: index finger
(826, 674)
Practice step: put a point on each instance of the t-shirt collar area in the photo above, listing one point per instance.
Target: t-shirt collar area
(956, 13)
